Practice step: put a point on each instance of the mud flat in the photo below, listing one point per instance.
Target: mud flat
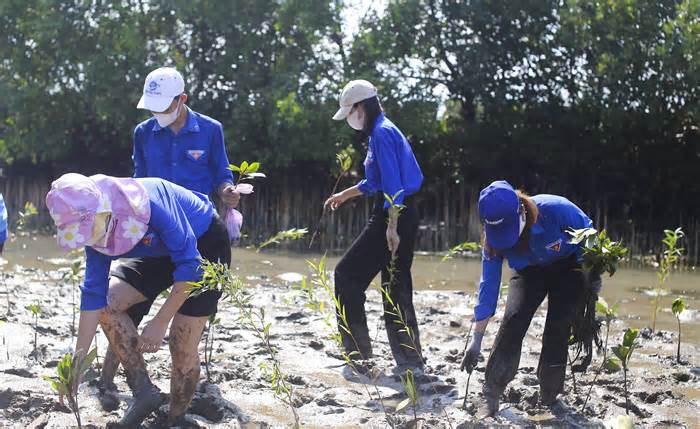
(663, 393)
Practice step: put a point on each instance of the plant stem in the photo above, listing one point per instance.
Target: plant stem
(36, 325)
(323, 211)
(573, 376)
(678, 352)
(600, 368)
(469, 377)
(627, 400)
(72, 326)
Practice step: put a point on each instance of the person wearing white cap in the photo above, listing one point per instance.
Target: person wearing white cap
(183, 147)
(391, 169)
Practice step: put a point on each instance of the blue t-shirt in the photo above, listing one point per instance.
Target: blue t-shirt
(549, 242)
(178, 218)
(390, 165)
(3, 220)
(195, 158)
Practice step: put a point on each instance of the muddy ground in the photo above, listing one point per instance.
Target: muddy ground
(328, 393)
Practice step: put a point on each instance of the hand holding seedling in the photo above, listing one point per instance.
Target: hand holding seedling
(230, 196)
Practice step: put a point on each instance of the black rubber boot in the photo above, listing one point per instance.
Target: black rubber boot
(492, 398)
(143, 404)
(107, 395)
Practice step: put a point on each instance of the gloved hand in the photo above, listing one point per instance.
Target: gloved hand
(471, 356)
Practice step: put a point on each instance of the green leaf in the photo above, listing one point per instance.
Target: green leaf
(234, 168)
(403, 404)
(678, 306)
(612, 365)
(630, 336)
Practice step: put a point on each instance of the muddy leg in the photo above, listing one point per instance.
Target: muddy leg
(185, 334)
(122, 335)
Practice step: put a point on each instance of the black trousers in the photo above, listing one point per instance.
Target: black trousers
(368, 256)
(562, 283)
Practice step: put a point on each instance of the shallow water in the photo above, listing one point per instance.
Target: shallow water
(630, 287)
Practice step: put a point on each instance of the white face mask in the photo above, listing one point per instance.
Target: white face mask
(523, 222)
(165, 119)
(356, 120)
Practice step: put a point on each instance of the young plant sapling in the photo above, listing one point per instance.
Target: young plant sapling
(70, 371)
(466, 246)
(35, 310)
(678, 307)
(623, 352)
(668, 258)
(344, 160)
(409, 386)
(288, 235)
(609, 314)
(600, 253)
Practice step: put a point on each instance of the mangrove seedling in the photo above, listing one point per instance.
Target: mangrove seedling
(218, 277)
(609, 314)
(35, 310)
(246, 171)
(623, 352)
(409, 386)
(288, 235)
(73, 276)
(600, 253)
(26, 215)
(678, 307)
(668, 258)
(466, 246)
(344, 160)
(70, 371)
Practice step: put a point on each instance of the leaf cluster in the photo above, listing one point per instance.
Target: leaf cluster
(600, 253)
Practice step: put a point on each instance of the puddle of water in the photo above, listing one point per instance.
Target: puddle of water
(629, 286)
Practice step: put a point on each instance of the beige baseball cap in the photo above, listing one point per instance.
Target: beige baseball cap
(161, 86)
(354, 92)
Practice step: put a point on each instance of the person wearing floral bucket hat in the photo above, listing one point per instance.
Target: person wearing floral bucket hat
(530, 232)
(115, 218)
(388, 238)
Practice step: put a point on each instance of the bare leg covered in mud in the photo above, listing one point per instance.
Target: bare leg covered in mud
(185, 334)
(124, 339)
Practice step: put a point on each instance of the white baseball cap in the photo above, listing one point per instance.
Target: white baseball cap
(354, 92)
(161, 86)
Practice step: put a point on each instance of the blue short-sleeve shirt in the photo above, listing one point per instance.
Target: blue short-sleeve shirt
(194, 158)
(178, 218)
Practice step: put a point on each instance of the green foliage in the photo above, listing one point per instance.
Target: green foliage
(623, 352)
(70, 370)
(36, 311)
(600, 254)
(288, 235)
(678, 307)
(247, 171)
(344, 159)
(409, 386)
(466, 246)
(670, 256)
(26, 215)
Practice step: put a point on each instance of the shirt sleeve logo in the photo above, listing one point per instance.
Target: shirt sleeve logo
(195, 154)
(147, 239)
(555, 246)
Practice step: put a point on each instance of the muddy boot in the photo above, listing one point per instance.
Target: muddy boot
(359, 345)
(144, 403)
(491, 403)
(548, 397)
(107, 395)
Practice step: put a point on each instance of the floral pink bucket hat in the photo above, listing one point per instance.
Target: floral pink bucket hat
(109, 214)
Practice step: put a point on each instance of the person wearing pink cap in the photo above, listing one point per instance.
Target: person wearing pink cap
(115, 218)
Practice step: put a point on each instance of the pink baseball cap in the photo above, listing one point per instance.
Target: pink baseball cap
(75, 202)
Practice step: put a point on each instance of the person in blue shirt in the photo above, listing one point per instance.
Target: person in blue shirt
(392, 169)
(183, 147)
(3, 224)
(531, 233)
(115, 218)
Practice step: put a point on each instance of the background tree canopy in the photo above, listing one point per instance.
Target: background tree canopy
(597, 101)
